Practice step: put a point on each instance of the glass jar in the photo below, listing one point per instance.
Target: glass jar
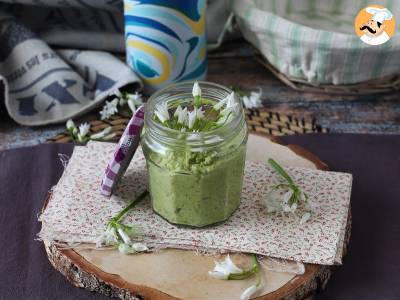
(195, 178)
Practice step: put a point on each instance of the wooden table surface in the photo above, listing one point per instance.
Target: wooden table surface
(234, 65)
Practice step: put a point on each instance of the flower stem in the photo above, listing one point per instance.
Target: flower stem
(281, 171)
(247, 273)
(122, 213)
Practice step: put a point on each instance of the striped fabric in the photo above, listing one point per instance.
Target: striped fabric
(314, 40)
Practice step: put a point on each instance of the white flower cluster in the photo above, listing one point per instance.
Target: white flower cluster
(253, 100)
(81, 134)
(117, 236)
(287, 196)
(225, 107)
(111, 107)
(224, 271)
(278, 201)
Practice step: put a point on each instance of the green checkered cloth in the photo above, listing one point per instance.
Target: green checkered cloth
(314, 40)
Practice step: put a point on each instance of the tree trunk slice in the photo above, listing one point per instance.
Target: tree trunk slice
(181, 274)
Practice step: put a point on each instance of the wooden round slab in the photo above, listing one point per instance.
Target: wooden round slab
(179, 274)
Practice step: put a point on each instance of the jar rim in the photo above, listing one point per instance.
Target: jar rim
(209, 137)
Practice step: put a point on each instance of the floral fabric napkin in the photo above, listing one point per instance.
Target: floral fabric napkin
(77, 212)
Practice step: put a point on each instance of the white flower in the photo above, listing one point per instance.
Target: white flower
(192, 118)
(224, 119)
(231, 104)
(229, 109)
(101, 134)
(200, 113)
(273, 200)
(139, 247)
(134, 100)
(182, 114)
(161, 112)
(306, 216)
(84, 128)
(224, 101)
(253, 101)
(124, 236)
(303, 197)
(132, 249)
(109, 109)
(250, 291)
(109, 237)
(287, 196)
(83, 131)
(70, 125)
(125, 249)
(196, 90)
(223, 269)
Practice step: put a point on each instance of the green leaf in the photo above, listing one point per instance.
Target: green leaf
(281, 171)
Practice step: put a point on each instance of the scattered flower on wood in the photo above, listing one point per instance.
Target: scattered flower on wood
(287, 196)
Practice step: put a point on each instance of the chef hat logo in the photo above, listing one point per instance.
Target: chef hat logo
(379, 14)
(375, 25)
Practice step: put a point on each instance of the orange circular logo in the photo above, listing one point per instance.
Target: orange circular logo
(375, 25)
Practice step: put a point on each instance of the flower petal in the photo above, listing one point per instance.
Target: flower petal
(139, 247)
(125, 237)
(306, 216)
(196, 90)
(227, 266)
(287, 196)
(70, 125)
(218, 275)
(221, 103)
(247, 293)
(192, 118)
(84, 129)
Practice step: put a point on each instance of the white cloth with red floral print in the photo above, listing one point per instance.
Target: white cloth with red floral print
(77, 212)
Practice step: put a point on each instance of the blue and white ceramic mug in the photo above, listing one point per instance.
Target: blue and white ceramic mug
(166, 40)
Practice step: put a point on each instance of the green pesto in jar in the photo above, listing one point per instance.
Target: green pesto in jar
(195, 167)
(208, 193)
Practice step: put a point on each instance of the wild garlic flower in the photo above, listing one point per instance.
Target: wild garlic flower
(70, 125)
(108, 238)
(161, 112)
(182, 114)
(100, 135)
(196, 92)
(224, 101)
(287, 196)
(132, 249)
(192, 118)
(109, 109)
(227, 270)
(200, 113)
(250, 291)
(83, 131)
(253, 100)
(223, 269)
(84, 128)
(124, 236)
(134, 101)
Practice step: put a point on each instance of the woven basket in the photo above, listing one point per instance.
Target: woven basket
(382, 85)
(311, 45)
(258, 120)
